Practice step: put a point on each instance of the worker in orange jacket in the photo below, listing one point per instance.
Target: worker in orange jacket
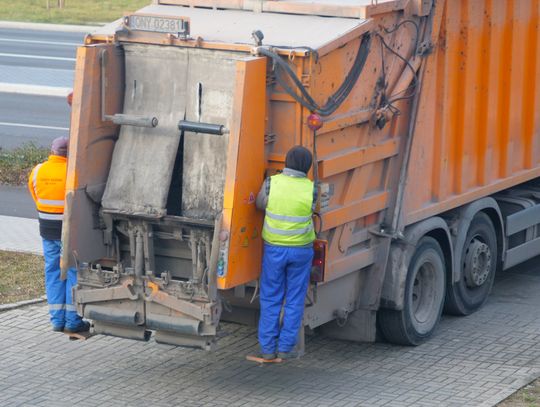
(47, 183)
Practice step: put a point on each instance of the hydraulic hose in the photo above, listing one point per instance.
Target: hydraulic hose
(304, 98)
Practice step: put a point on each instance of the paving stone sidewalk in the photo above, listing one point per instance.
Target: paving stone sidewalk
(474, 361)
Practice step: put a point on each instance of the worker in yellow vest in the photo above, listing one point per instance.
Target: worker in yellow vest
(47, 183)
(289, 199)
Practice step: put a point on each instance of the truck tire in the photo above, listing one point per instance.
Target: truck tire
(424, 297)
(478, 266)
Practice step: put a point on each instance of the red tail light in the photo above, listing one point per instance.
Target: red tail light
(314, 122)
(319, 261)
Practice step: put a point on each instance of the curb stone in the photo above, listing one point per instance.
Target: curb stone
(49, 27)
(518, 385)
(24, 89)
(20, 304)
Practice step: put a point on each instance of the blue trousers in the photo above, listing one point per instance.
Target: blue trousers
(59, 296)
(284, 283)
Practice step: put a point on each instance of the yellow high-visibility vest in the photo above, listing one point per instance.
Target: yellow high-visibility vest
(288, 213)
(47, 184)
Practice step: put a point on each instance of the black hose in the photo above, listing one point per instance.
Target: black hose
(305, 99)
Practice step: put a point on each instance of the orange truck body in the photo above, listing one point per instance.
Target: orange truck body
(445, 115)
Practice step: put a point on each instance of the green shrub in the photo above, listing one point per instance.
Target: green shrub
(16, 164)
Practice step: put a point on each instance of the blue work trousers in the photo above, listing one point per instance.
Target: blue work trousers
(284, 283)
(59, 296)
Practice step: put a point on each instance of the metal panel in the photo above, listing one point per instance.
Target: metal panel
(478, 125)
(245, 174)
(235, 27)
(345, 8)
(90, 151)
(521, 253)
(209, 93)
(522, 220)
(143, 158)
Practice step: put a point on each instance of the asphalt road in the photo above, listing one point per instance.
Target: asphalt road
(39, 58)
(16, 201)
(30, 118)
(39, 49)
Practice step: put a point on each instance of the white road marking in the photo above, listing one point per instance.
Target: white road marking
(33, 126)
(2, 54)
(25, 89)
(67, 44)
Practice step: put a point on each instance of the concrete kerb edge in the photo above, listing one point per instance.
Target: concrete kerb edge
(48, 27)
(24, 89)
(504, 394)
(20, 304)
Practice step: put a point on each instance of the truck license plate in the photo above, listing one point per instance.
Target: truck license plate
(170, 25)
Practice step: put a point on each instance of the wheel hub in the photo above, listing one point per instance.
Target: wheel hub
(477, 264)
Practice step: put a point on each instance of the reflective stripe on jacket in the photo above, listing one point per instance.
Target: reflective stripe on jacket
(288, 214)
(47, 184)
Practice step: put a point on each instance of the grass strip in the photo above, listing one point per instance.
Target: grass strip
(21, 277)
(528, 396)
(16, 164)
(73, 12)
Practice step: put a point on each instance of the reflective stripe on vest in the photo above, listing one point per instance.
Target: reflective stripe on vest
(290, 232)
(34, 181)
(298, 219)
(288, 212)
(50, 216)
(56, 202)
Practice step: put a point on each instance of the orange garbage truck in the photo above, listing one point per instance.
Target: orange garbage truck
(423, 117)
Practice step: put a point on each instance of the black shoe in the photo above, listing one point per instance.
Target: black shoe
(58, 328)
(287, 355)
(83, 326)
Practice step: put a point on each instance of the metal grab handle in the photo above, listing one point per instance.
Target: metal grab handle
(207, 128)
(133, 120)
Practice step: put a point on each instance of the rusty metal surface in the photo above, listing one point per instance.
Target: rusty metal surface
(143, 158)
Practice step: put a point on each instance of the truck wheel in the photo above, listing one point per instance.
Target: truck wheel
(424, 297)
(478, 265)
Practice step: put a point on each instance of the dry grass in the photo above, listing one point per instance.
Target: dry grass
(528, 396)
(74, 11)
(21, 277)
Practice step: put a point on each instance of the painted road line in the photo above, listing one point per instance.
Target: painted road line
(34, 89)
(2, 54)
(67, 44)
(34, 126)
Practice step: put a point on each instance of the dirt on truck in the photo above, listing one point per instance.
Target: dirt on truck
(423, 117)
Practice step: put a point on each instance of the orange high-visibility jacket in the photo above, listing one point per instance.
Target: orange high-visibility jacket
(47, 184)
